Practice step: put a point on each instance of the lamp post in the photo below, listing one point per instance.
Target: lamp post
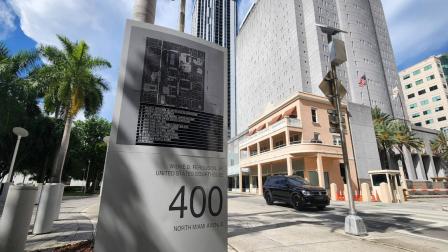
(334, 90)
(20, 132)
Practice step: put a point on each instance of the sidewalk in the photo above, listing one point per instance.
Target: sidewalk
(73, 226)
(254, 226)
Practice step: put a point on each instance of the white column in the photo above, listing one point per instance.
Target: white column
(320, 170)
(421, 174)
(271, 143)
(240, 178)
(289, 166)
(432, 168)
(409, 164)
(260, 180)
(287, 136)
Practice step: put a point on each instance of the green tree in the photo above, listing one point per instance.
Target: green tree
(18, 99)
(405, 137)
(393, 134)
(384, 133)
(86, 156)
(72, 86)
(439, 146)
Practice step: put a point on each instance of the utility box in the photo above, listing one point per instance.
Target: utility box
(337, 52)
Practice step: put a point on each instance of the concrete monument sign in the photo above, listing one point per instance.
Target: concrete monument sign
(165, 182)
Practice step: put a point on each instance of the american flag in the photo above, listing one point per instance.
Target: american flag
(363, 81)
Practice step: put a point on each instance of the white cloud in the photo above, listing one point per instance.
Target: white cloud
(6, 20)
(416, 28)
(100, 23)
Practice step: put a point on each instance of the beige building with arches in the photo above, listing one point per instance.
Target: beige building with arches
(294, 139)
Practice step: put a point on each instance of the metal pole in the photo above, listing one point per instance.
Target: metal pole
(11, 168)
(182, 16)
(352, 210)
(368, 94)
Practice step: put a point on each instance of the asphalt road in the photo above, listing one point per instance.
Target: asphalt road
(413, 225)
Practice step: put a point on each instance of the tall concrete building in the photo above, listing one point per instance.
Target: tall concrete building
(426, 94)
(215, 21)
(444, 63)
(280, 51)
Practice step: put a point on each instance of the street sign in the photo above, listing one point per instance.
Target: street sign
(326, 88)
(165, 178)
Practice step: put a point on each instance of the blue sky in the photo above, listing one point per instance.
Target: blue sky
(417, 28)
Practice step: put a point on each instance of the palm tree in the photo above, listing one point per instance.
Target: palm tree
(384, 133)
(440, 145)
(404, 137)
(145, 10)
(17, 97)
(72, 86)
(393, 134)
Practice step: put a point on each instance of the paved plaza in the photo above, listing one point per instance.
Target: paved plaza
(76, 223)
(417, 225)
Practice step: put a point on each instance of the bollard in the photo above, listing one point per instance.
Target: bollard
(39, 192)
(16, 217)
(365, 192)
(47, 208)
(384, 194)
(58, 205)
(333, 191)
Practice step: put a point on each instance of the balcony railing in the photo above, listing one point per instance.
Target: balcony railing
(285, 122)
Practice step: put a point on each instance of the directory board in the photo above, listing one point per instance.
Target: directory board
(165, 181)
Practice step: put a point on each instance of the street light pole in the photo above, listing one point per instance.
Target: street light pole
(20, 132)
(353, 223)
(352, 210)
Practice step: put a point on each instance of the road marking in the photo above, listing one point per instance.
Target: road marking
(421, 236)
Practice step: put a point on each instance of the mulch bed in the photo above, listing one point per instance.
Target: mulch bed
(84, 246)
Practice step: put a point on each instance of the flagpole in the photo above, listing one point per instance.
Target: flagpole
(362, 98)
(368, 94)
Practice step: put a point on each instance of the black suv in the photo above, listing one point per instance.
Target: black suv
(296, 191)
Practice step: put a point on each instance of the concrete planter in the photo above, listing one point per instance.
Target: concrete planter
(38, 194)
(16, 217)
(48, 208)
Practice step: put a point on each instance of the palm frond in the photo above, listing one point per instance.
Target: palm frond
(67, 44)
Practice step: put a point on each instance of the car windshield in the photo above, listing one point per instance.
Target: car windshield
(298, 181)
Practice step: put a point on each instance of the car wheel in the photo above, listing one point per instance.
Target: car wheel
(320, 208)
(296, 202)
(268, 198)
